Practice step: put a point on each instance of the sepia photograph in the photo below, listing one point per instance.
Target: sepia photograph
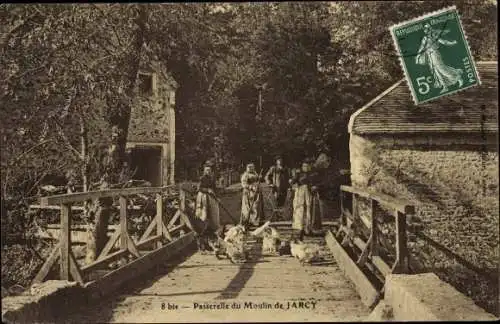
(221, 162)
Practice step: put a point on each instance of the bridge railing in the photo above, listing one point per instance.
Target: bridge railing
(161, 231)
(377, 231)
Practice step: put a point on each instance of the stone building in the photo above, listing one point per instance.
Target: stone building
(151, 134)
(442, 156)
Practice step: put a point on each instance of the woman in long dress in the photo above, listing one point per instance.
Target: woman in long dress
(252, 207)
(207, 208)
(306, 209)
(428, 54)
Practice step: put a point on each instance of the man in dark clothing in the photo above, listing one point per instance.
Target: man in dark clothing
(277, 177)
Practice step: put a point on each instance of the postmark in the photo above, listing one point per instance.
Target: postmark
(434, 54)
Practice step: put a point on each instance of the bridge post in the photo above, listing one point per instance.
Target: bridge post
(65, 240)
(159, 218)
(374, 227)
(343, 220)
(401, 242)
(354, 206)
(123, 224)
(341, 196)
(182, 200)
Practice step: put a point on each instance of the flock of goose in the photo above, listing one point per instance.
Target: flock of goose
(232, 244)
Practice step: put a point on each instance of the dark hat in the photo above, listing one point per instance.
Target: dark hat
(308, 160)
(278, 157)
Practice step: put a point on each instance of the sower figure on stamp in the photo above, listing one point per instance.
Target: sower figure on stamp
(306, 211)
(277, 177)
(207, 208)
(428, 54)
(252, 207)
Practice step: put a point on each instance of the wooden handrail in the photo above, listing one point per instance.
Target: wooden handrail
(90, 195)
(127, 247)
(398, 210)
(400, 205)
(82, 208)
(55, 207)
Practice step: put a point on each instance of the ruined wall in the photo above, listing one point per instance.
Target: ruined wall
(153, 120)
(149, 121)
(452, 180)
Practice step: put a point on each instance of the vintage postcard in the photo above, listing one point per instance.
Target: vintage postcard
(226, 162)
(435, 55)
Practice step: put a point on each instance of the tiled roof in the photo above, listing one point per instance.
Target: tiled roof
(471, 110)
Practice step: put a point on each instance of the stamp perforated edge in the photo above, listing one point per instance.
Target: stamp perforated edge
(401, 61)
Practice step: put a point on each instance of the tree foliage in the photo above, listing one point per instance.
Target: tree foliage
(68, 71)
(255, 79)
(311, 64)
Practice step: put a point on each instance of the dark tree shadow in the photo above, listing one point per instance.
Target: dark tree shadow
(245, 272)
(101, 310)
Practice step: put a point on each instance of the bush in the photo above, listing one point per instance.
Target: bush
(20, 264)
(22, 253)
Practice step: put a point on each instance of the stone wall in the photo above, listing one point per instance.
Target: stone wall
(453, 181)
(424, 297)
(150, 119)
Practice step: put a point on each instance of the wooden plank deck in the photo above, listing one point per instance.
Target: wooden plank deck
(261, 282)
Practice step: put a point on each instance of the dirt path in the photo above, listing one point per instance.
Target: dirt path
(320, 293)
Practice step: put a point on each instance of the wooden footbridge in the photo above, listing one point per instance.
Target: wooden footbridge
(160, 277)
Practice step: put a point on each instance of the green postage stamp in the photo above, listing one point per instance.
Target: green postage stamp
(434, 54)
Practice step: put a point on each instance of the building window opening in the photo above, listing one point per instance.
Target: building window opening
(146, 84)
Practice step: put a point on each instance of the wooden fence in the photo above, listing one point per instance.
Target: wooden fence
(163, 237)
(228, 177)
(371, 242)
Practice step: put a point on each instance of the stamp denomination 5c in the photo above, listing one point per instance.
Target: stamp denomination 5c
(434, 54)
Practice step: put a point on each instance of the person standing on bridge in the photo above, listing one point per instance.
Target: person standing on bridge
(207, 207)
(252, 207)
(277, 177)
(306, 212)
